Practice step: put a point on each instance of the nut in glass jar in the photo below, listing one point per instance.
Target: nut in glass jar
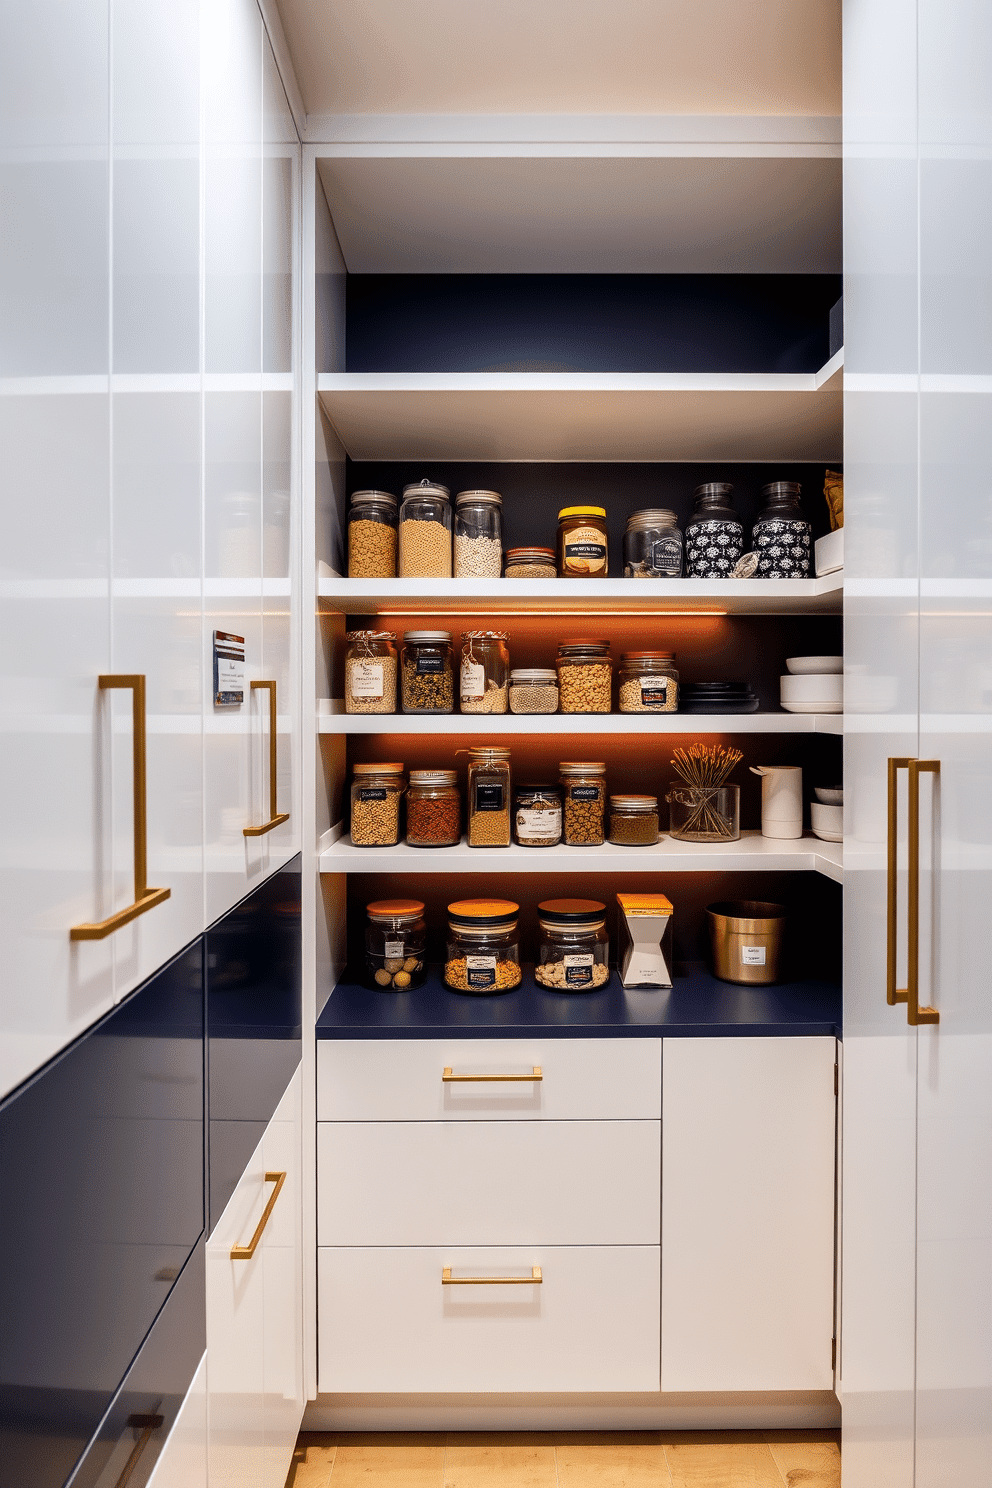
(574, 949)
(585, 675)
(483, 953)
(395, 944)
(375, 805)
(583, 785)
(649, 682)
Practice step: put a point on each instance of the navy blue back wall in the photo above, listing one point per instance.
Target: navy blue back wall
(589, 322)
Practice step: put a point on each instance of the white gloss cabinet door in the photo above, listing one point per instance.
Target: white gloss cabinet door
(954, 1161)
(282, 1266)
(881, 656)
(55, 863)
(747, 1238)
(182, 1462)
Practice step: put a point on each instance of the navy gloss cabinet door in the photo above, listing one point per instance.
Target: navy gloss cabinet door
(102, 1177)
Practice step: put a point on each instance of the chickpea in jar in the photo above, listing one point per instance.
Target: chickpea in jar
(585, 675)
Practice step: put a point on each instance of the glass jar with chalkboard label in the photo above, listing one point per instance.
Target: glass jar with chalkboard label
(652, 545)
(427, 676)
(781, 537)
(489, 799)
(714, 539)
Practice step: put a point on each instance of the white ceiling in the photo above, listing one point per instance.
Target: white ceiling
(566, 56)
(646, 215)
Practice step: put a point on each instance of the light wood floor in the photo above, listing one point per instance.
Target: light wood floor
(593, 1459)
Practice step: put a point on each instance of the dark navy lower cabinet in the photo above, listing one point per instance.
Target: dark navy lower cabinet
(254, 999)
(102, 1173)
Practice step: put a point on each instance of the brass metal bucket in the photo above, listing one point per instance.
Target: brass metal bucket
(746, 940)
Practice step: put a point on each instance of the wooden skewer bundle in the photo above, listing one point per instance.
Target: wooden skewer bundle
(704, 768)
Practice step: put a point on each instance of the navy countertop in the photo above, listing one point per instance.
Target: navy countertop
(698, 1006)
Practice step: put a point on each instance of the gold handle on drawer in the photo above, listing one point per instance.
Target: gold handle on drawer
(275, 816)
(534, 1279)
(449, 1078)
(245, 1252)
(893, 994)
(146, 1425)
(144, 897)
(915, 1014)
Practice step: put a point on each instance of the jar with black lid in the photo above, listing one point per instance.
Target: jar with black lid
(372, 535)
(395, 944)
(652, 545)
(714, 539)
(574, 949)
(537, 815)
(781, 536)
(483, 954)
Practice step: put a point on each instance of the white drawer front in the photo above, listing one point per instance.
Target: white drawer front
(401, 1079)
(489, 1183)
(387, 1324)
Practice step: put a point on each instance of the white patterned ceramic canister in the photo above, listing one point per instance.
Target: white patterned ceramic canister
(781, 537)
(714, 539)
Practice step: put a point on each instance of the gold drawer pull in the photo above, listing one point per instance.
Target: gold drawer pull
(448, 1078)
(534, 1279)
(245, 1252)
(146, 1424)
(275, 816)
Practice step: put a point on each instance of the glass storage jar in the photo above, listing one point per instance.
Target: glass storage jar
(537, 815)
(375, 805)
(395, 944)
(781, 536)
(483, 946)
(634, 821)
(478, 535)
(425, 532)
(574, 950)
(714, 539)
(488, 796)
(585, 674)
(534, 690)
(649, 682)
(433, 809)
(427, 672)
(370, 672)
(583, 546)
(372, 535)
(531, 563)
(700, 813)
(485, 671)
(652, 545)
(583, 784)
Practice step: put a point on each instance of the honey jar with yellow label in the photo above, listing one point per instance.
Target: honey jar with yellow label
(583, 549)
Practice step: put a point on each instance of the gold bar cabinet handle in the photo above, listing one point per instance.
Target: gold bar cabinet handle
(275, 816)
(534, 1279)
(144, 897)
(245, 1252)
(915, 1015)
(449, 1078)
(147, 1425)
(893, 994)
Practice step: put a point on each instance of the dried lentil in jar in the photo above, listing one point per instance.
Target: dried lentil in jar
(531, 563)
(583, 784)
(372, 535)
(585, 675)
(634, 821)
(534, 690)
(649, 682)
(433, 809)
(425, 532)
(537, 815)
(483, 946)
(488, 796)
(428, 677)
(574, 950)
(478, 535)
(375, 805)
(370, 672)
(484, 671)
(395, 944)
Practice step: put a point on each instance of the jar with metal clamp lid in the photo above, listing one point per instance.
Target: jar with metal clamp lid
(395, 944)
(488, 796)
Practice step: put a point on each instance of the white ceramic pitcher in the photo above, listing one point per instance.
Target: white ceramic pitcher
(781, 800)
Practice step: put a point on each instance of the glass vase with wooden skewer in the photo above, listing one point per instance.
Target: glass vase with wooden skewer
(703, 808)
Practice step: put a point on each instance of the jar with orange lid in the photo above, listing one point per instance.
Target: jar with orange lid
(583, 545)
(375, 805)
(395, 944)
(649, 682)
(483, 954)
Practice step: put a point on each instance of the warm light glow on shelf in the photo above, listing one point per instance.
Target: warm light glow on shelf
(482, 609)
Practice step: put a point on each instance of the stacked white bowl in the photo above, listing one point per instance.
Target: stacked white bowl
(827, 813)
(814, 684)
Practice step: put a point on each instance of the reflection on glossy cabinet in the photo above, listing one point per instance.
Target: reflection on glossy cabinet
(182, 1462)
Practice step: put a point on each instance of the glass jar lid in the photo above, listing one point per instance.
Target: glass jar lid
(583, 643)
(390, 769)
(581, 511)
(395, 909)
(426, 488)
(648, 804)
(433, 777)
(483, 498)
(370, 635)
(521, 555)
(537, 792)
(534, 676)
(712, 489)
(373, 498)
(582, 767)
(483, 912)
(486, 752)
(485, 635)
(571, 911)
(428, 637)
(635, 656)
(652, 516)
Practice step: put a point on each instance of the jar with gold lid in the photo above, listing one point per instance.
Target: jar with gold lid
(583, 545)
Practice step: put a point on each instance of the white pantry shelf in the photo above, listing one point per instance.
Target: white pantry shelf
(752, 854)
(332, 719)
(583, 596)
(588, 416)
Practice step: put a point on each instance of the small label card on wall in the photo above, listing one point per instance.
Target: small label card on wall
(229, 669)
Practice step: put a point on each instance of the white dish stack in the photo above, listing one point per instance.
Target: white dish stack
(814, 684)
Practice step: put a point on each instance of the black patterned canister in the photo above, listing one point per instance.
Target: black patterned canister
(714, 539)
(781, 537)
